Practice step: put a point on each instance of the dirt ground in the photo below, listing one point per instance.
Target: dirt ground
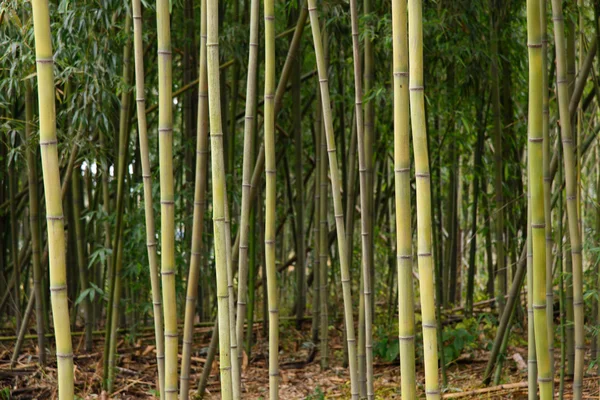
(301, 377)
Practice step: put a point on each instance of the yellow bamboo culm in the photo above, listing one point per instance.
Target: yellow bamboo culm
(271, 199)
(424, 226)
(536, 189)
(406, 316)
(218, 190)
(148, 204)
(167, 198)
(52, 190)
(336, 194)
(571, 192)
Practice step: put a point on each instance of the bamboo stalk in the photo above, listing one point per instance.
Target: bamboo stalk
(249, 139)
(218, 183)
(323, 246)
(148, 203)
(199, 209)
(364, 131)
(34, 222)
(337, 200)
(271, 198)
(570, 178)
(54, 212)
(425, 260)
(81, 258)
(404, 253)
(536, 190)
(167, 196)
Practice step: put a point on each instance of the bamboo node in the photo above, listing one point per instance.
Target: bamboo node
(58, 288)
(422, 175)
(273, 373)
(219, 219)
(538, 226)
(140, 100)
(64, 355)
(417, 88)
(567, 141)
(225, 368)
(165, 130)
(243, 246)
(338, 216)
(401, 170)
(577, 303)
(269, 17)
(165, 273)
(424, 254)
(137, 17)
(536, 139)
(400, 74)
(270, 171)
(165, 52)
(171, 334)
(312, 8)
(48, 142)
(534, 45)
(157, 303)
(184, 378)
(430, 326)
(199, 203)
(242, 303)
(269, 96)
(409, 338)
(270, 241)
(146, 176)
(171, 390)
(167, 202)
(248, 185)
(543, 380)
(432, 392)
(55, 217)
(249, 117)
(539, 306)
(405, 257)
(558, 19)
(571, 197)
(351, 340)
(151, 244)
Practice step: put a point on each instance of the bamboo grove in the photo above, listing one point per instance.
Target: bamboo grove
(255, 199)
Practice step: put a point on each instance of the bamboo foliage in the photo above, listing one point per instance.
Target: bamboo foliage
(167, 200)
(424, 225)
(337, 199)
(406, 318)
(151, 244)
(571, 192)
(218, 190)
(52, 190)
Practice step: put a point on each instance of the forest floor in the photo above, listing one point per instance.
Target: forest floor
(301, 375)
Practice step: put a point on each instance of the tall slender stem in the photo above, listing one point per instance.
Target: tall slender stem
(424, 225)
(140, 102)
(52, 190)
(337, 198)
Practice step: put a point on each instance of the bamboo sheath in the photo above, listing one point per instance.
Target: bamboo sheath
(424, 225)
(406, 317)
(218, 190)
(54, 211)
(140, 102)
(337, 199)
(167, 199)
(536, 190)
(570, 179)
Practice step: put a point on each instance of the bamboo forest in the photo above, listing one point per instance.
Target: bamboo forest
(299, 199)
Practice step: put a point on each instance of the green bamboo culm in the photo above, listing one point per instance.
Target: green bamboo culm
(549, 288)
(34, 223)
(365, 217)
(198, 213)
(52, 190)
(406, 316)
(571, 192)
(167, 198)
(337, 198)
(271, 199)
(218, 191)
(249, 133)
(424, 225)
(151, 244)
(536, 190)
